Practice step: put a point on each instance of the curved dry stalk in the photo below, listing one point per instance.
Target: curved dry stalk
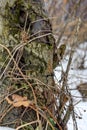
(60, 128)
(40, 112)
(12, 58)
(33, 122)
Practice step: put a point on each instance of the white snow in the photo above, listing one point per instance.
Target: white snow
(6, 128)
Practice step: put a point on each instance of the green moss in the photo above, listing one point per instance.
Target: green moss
(38, 53)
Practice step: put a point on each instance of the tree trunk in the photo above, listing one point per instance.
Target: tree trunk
(27, 62)
(28, 45)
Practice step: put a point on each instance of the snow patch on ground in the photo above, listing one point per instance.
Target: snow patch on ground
(6, 128)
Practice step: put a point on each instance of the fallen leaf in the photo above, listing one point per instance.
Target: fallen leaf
(17, 98)
(18, 101)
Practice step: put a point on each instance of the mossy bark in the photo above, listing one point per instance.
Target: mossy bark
(27, 62)
(29, 43)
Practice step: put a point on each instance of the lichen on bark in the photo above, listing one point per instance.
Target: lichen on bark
(28, 36)
(36, 25)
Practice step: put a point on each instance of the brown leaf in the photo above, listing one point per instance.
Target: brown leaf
(18, 101)
(17, 98)
(21, 103)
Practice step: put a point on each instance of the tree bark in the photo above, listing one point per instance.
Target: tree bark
(27, 63)
(27, 47)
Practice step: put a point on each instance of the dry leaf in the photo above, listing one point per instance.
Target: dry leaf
(17, 98)
(21, 103)
(18, 101)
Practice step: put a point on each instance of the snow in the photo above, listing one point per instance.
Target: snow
(6, 128)
(75, 77)
(80, 109)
